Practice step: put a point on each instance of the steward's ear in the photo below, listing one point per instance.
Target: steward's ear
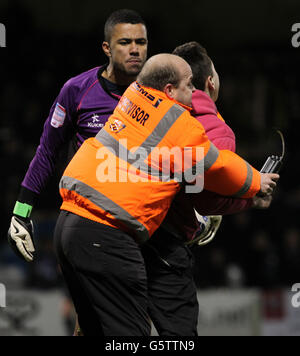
(169, 91)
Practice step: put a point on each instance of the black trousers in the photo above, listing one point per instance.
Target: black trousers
(173, 304)
(105, 274)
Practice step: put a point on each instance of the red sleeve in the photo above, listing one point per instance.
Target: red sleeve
(213, 204)
(207, 202)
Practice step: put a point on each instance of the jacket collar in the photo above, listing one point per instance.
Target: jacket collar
(202, 104)
(163, 96)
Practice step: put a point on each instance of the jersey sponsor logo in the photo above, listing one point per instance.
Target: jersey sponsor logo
(58, 117)
(116, 126)
(133, 110)
(95, 122)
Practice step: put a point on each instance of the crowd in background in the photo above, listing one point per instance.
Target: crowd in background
(260, 91)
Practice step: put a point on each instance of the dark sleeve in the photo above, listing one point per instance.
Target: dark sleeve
(209, 203)
(58, 129)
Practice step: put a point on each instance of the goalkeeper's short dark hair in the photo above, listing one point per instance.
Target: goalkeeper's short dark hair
(198, 59)
(121, 16)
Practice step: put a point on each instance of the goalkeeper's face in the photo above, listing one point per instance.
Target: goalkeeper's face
(128, 48)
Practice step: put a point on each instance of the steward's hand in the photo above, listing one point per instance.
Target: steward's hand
(20, 237)
(268, 183)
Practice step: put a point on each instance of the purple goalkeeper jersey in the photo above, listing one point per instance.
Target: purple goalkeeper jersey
(81, 108)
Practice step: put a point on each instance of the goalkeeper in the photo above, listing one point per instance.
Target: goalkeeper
(172, 291)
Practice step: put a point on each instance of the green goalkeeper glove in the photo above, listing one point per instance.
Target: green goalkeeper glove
(20, 233)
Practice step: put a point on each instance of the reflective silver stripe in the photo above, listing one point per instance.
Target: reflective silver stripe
(211, 157)
(247, 183)
(106, 204)
(146, 147)
(121, 152)
(207, 162)
(163, 127)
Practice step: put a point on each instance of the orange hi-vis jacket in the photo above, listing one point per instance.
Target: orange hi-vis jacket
(126, 177)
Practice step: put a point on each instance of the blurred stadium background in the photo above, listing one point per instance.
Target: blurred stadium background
(246, 274)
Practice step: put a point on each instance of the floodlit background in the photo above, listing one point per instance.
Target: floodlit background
(246, 274)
